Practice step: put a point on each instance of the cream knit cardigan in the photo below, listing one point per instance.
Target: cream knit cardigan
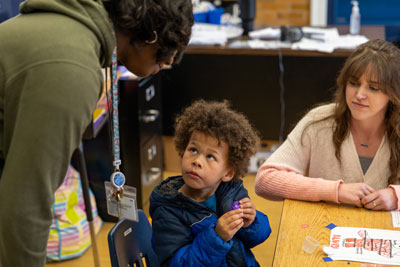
(305, 167)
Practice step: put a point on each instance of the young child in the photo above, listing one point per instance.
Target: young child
(195, 222)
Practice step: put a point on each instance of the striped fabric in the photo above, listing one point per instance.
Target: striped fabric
(69, 232)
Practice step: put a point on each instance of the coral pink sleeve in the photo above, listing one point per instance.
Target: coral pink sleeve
(396, 189)
(276, 183)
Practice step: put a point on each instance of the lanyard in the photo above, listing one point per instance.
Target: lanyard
(117, 177)
(115, 119)
(121, 200)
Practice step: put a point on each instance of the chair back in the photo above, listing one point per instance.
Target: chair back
(129, 243)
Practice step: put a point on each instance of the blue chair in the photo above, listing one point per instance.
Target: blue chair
(129, 243)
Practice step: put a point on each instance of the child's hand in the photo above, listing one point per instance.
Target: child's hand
(229, 223)
(249, 211)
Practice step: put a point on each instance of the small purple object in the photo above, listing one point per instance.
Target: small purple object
(235, 205)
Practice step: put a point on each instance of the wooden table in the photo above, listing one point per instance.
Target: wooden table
(300, 219)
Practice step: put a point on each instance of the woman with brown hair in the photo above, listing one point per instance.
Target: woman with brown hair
(347, 151)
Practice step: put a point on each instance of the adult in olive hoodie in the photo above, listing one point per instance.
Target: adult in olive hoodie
(50, 81)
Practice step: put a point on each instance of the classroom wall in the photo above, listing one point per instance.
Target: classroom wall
(282, 12)
(269, 12)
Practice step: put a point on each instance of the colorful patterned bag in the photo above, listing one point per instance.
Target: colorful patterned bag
(69, 232)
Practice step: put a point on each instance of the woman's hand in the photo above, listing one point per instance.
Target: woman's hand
(353, 193)
(229, 223)
(384, 199)
(249, 211)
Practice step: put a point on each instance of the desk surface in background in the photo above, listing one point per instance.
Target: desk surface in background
(296, 213)
(371, 32)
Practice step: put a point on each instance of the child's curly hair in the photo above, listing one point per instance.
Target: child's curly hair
(218, 120)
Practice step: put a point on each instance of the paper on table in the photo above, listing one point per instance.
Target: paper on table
(364, 245)
(327, 40)
(315, 39)
(266, 33)
(205, 33)
(395, 218)
(259, 44)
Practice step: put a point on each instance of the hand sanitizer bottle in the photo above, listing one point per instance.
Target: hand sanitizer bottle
(355, 19)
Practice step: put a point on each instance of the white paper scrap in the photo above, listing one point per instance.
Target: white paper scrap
(395, 218)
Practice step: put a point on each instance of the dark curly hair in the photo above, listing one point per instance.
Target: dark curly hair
(172, 21)
(218, 120)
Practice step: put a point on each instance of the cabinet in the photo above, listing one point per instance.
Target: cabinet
(250, 80)
(140, 135)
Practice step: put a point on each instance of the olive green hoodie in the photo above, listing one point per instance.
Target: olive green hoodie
(50, 81)
(82, 35)
(89, 13)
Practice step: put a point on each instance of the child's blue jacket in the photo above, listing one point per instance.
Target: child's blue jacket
(184, 230)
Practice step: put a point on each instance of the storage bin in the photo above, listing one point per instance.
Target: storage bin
(200, 17)
(214, 16)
